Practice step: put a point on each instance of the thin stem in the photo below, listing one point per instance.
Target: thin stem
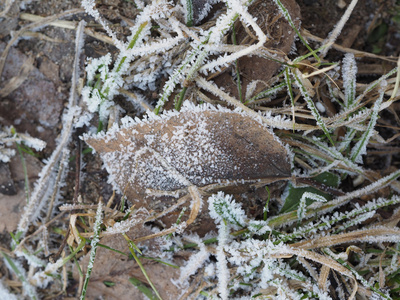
(132, 247)
(239, 85)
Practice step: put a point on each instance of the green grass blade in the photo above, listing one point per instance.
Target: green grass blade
(288, 18)
(189, 13)
(143, 288)
(132, 248)
(361, 146)
(94, 244)
(310, 103)
(20, 273)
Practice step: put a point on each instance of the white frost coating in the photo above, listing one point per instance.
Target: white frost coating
(100, 96)
(89, 6)
(224, 208)
(302, 206)
(237, 8)
(217, 205)
(222, 268)
(173, 161)
(349, 80)
(28, 289)
(5, 293)
(93, 244)
(195, 261)
(360, 148)
(357, 220)
(43, 278)
(277, 122)
(31, 142)
(6, 154)
(7, 138)
(334, 153)
(257, 260)
(84, 120)
(258, 227)
(31, 259)
(333, 35)
(124, 226)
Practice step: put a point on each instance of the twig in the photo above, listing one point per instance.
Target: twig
(357, 53)
(68, 25)
(44, 181)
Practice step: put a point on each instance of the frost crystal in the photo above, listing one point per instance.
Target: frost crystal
(349, 79)
(195, 261)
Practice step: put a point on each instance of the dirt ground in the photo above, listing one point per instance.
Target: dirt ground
(42, 60)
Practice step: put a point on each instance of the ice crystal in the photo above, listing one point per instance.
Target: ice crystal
(125, 225)
(302, 206)
(195, 261)
(224, 208)
(349, 79)
(8, 136)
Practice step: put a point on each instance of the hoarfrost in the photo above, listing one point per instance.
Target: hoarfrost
(349, 79)
(5, 293)
(195, 261)
(125, 225)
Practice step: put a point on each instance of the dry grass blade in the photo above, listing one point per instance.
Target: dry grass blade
(68, 25)
(280, 124)
(323, 277)
(330, 263)
(12, 84)
(30, 212)
(33, 25)
(358, 53)
(379, 234)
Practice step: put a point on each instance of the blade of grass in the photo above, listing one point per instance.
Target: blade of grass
(20, 273)
(288, 18)
(143, 288)
(132, 248)
(94, 244)
(290, 93)
(310, 103)
(189, 13)
(239, 85)
(360, 148)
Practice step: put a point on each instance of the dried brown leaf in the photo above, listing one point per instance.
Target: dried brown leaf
(197, 146)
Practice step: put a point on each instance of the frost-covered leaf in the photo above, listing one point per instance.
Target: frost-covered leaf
(198, 146)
